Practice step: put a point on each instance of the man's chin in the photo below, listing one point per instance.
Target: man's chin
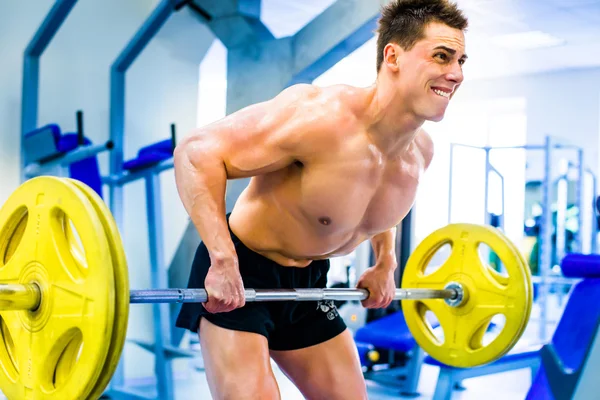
(436, 117)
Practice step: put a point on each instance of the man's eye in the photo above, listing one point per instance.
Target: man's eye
(461, 62)
(441, 56)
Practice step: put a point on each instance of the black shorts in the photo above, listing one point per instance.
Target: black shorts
(287, 325)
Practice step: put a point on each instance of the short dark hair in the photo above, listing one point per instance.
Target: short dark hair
(403, 22)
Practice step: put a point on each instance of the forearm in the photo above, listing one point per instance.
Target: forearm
(384, 247)
(201, 181)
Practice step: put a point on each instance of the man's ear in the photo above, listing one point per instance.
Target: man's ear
(391, 52)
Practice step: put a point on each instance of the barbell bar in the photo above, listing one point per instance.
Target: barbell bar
(261, 295)
(28, 296)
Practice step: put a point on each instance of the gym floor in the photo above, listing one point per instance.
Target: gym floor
(506, 386)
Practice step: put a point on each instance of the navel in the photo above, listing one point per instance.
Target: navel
(325, 221)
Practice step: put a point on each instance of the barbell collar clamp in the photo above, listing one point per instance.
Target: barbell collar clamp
(461, 294)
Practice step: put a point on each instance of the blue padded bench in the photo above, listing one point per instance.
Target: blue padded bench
(564, 357)
(389, 332)
(150, 155)
(41, 144)
(47, 143)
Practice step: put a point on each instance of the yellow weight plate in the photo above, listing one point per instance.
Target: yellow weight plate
(503, 280)
(121, 280)
(529, 291)
(486, 296)
(54, 351)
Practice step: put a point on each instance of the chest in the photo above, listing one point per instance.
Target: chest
(367, 194)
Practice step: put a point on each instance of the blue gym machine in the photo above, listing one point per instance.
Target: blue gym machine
(150, 162)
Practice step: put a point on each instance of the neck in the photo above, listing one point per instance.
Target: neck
(393, 124)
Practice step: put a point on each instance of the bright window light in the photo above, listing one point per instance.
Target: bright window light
(527, 40)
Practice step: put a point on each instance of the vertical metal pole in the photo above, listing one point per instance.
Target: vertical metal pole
(594, 239)
(486, 214)
(115, 191)
(405, 246)
(159, 278)
(562, 194)
(503, 200)
(501, 222)
(29, 103)
(31, 69)
(545, 239)
(117, 127)
(450, 172)
(117, 95)
(579, 191)
(117, 120)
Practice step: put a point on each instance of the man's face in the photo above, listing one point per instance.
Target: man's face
(431, 71)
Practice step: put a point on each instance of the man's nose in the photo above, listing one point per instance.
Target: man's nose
(455, 74)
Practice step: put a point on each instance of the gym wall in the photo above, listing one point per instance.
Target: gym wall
(564, 104)
(162, 87)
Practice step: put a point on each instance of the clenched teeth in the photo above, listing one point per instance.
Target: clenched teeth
(441, 93)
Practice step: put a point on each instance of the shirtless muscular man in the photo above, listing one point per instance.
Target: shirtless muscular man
(330, 168)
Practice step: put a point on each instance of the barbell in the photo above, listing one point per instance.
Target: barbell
(64, 293)
(27, 296)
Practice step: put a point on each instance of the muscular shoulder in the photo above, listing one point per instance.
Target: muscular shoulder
(352, 99)
(329, 109)
(343, 98)
(299, 92)
(424, 144)
(305, 97)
